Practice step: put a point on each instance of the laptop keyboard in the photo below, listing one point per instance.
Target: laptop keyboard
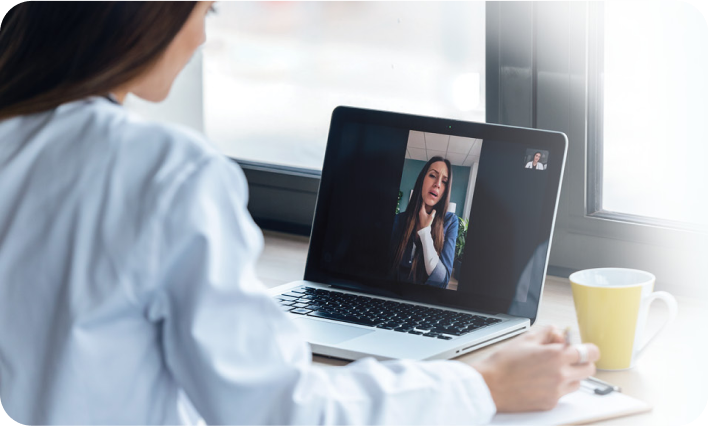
(379, 313)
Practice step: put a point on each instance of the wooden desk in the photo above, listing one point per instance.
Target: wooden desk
(672, 375)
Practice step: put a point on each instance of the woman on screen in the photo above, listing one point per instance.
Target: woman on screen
(424, 236)
(535, 164)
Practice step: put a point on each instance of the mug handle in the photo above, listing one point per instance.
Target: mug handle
(673, 310)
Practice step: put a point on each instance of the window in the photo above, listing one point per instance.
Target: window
(650, 67)
(274, 71)
(539, 65)
(543, 63)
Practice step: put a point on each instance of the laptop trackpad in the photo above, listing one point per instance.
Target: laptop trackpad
(327, 332)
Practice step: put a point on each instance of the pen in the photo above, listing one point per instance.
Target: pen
(591, 383)
(606, 387)
(566, 336)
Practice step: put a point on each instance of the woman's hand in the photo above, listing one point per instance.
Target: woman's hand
(425, 219)
(532, 371)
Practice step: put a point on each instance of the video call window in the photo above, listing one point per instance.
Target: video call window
(434, 202)
(536, 159)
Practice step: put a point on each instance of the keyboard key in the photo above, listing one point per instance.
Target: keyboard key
(300, 305)
(314, 307)
(298, 291)
(415, 332)
(286, 303)
(284, 297)
(344, 318)
(445, 337)
(300, 311)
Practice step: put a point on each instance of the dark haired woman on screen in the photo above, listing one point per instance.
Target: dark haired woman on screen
(127, 257)
(424, 235)
(535, 163)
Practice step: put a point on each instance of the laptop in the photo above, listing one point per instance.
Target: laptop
(430, 237)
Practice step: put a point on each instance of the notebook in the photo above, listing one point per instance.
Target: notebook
(579, 407)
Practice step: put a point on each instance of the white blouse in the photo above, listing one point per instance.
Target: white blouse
(127, 283)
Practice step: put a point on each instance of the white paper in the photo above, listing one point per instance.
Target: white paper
(578, 407)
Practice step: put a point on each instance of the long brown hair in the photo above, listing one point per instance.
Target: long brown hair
(410, 217)
(56, 52)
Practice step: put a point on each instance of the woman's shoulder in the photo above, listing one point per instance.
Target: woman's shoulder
(451, 221)
(398, 218)
(149, 153)
(124, 129)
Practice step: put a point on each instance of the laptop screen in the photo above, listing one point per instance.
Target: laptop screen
(435, 210)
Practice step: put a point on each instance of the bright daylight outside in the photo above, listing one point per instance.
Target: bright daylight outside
(655, 109)
(274, 71)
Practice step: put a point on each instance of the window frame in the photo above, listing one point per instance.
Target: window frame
(539, 74)
(281, 198)
(595, 151)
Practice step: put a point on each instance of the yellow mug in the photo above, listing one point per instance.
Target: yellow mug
(612, 306)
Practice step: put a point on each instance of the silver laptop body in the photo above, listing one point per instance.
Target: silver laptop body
(473, 315)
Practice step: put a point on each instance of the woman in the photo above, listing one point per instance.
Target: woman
(535, 164)
(424, 235)
(127, 255)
